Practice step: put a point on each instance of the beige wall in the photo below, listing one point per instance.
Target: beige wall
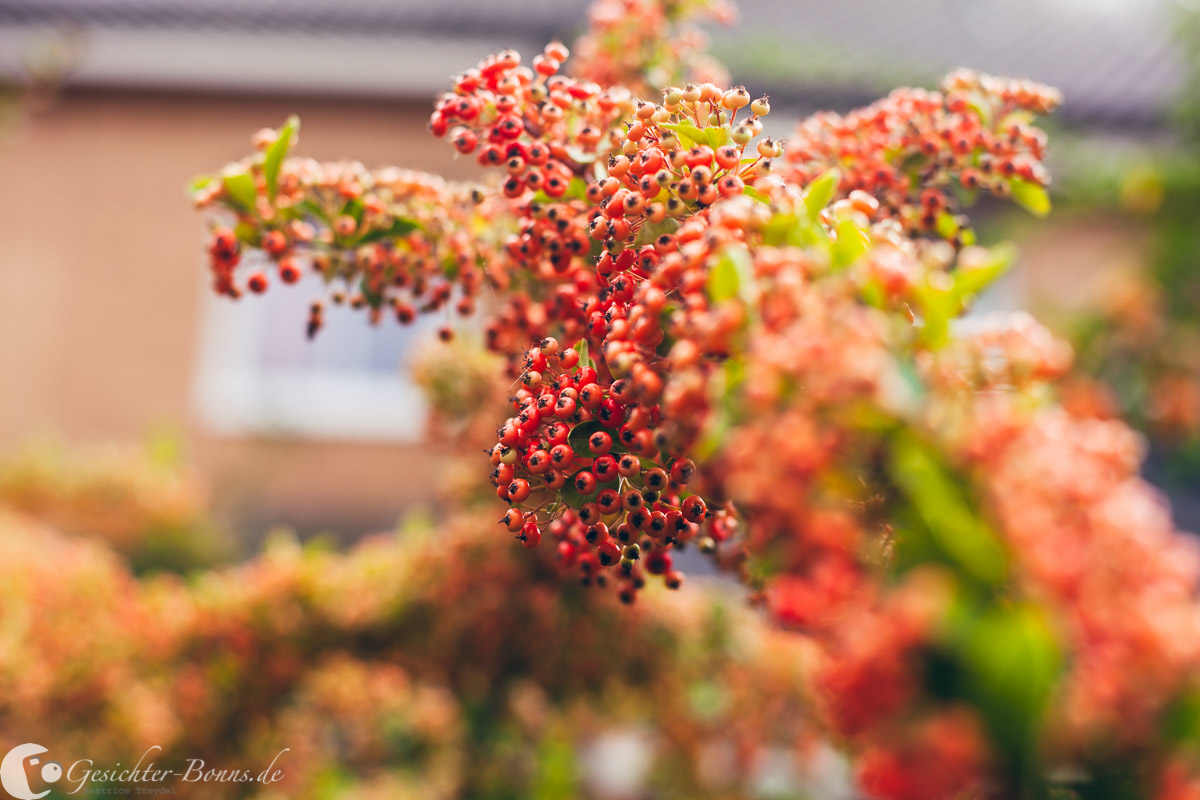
(100, 288)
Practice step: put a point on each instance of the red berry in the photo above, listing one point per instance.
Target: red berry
(601, 442)
(627, 593)
(596, 533)
(657, 561)
(465, 140)
(518, 490)
(682, 471)
(565, 407)
(275, 243)
(561, 456)
(585, 482)
(608, 553)
(538, 462)
(655, 479)
(608, 501)
(629, 465)
(288, 271)
(531, 535)
(694, 509)
(605, 468)
(513, 519)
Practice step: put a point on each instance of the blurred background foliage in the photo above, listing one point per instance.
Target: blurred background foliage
(431, 662)
(1137, 340)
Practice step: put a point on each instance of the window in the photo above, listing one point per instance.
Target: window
(259, 374)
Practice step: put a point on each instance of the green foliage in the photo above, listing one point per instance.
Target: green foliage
(277, 152)
(240, 187)
(820, 192)
(956, 530)
(1031, 197)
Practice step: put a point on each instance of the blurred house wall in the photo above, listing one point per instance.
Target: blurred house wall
(102, 288)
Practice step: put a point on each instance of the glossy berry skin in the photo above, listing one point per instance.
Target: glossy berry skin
(605, 468)
(694, 509)
(600, 443)
(608, 553)
(657, 561)
(655, 479)
(585, 483)
(514, 520)
(562, 456)
(608, 501)
(682, 471)
(531, 535)
(596, 533)
(519, 490)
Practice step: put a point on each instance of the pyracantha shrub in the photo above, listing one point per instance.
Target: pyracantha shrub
(719, 341)
(384, 667)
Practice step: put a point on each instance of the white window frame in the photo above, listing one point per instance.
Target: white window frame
(234, 394)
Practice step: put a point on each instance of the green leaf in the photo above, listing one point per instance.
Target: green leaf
(723, 393)
(576, 190)
(751, 192)
(778, 231)
(820, 192)
(1011, 663)
(373, 298)
(717, 136)
(731, 276)
(400, 227)
(852, 242)
(690, 134)
(247, 233)
(971, 279)
(942, 504)
(723, 281)
(938, 306)
(651, 231)
(199, 183)
(240, 188)
(981, 107)
(946, 225)
(555, 769)
(309, 207)
(578, 438)
(354, 208)
(277, 152)
(1181, 723)
(1030, 196)
(585, 359)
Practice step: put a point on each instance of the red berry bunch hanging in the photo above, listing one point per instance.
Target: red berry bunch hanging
(583, 462)
(388, 241)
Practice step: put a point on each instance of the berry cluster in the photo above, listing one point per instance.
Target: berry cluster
(645, 44)
(543, 128)
(587, 462)
(390, 240)
(925, 155)
(664, 174)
